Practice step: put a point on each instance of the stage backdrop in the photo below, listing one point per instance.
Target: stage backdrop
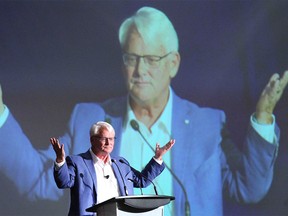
(54, 54)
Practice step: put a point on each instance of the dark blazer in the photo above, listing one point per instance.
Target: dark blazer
(78, 174)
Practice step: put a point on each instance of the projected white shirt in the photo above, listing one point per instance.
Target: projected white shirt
(138, 153)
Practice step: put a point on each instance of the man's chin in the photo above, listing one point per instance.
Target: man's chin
(143, 94)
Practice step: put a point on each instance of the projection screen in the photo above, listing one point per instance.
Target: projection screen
(55, 54)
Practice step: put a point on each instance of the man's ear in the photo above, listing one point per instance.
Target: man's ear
(174, 64)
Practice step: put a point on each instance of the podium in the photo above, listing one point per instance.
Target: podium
(144, 205)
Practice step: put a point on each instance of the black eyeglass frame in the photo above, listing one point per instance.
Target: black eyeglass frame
(147, 58)
(104, 139)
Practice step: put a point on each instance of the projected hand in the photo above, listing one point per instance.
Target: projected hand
(159, 152)
(1, 102)
(59, 149)
(269, 97)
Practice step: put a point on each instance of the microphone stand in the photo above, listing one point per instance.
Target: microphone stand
(155, 189)
(134, 124)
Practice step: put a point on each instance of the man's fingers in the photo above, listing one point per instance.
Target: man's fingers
(277, 84)
(166, 147)
(56, 145)
(284, 80)
(169, 144)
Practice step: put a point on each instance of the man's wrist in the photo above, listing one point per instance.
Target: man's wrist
(159, 161)
(266, 131)
(263, 118)
(58, 165)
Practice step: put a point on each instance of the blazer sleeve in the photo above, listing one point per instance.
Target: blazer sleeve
(65, 175)
(248, 174)
(149, 173)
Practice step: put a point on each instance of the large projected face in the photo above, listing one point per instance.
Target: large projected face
(148, 77)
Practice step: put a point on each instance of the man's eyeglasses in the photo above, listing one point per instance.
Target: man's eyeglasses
(105, 139)
(151, 61)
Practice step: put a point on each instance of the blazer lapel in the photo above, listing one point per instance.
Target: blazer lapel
(90, 166)
(181, 127)
(119, 176)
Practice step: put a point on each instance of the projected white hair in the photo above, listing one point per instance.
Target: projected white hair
(151, 25)
(95, 128)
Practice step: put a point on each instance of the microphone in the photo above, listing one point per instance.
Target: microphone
(106, 176)
(134, 124)
(125, 188)
(124, 162)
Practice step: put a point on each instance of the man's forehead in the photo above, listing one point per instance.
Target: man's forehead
(145, 44)
(144, 49)
(105, 131)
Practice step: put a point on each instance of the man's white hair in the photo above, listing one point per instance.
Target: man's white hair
(95, 128)
(152, 25)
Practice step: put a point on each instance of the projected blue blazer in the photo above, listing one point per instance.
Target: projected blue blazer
(205, 159)
(78, 174)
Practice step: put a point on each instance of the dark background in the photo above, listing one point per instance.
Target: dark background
(54, 54)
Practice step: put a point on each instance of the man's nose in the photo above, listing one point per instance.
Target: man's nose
(141, 67)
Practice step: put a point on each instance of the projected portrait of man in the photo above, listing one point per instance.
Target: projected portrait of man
(204, 164)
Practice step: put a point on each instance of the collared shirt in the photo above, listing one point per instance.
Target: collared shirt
(107, 185)
(138, 153)
(4, 116)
